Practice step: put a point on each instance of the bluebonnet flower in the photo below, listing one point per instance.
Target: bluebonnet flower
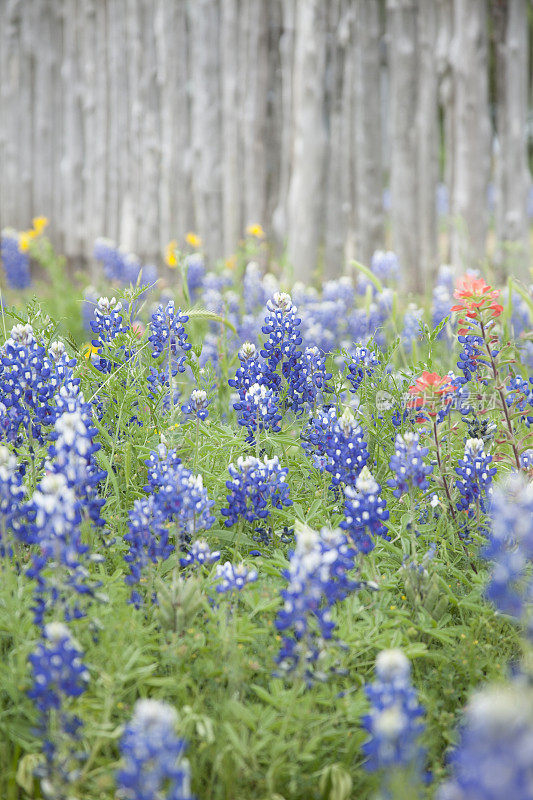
(195, 267)
(12, 495)
(250, 370)
(168, 332)
(197, 404)
(481, 429)
(248, 328)
(375, 317)
(200, 553)
(132, 269)
(150, 275)
(253, 290)
(520, 396)
(478, 310)
(30, 377)
(215, 281)
(317, 436)
(59, 566)
(303, 294)
(270, 284)
(72, 452)
(58, 669)
(407, 464)
(180, 495)
(324, 318)
(159, 377)
(317, 578)
(462, 397)
(16, 262)
(119, 265)
(310, 384)
(446, 277)
(493, 758)
(322, 321)
(510, 545)
(212, 299)
(210, 352)
(111, 258)
(232, 304)
(59, 677)
(526, 459)
(366, 323)
(90, 299)
(440, 308)
(177, 498)
(108, 326)
(161, 465)
(212, 291)
(259, 410)
(365, 512)
(148, 540)
(168, 336)
(385, 266)
(340, 290)
(253, 485)
(363, 362)
(411, 331)
(154, 767)
(394, 722)
(475, 477)
(281, 347)
(471, 358)
(233, 578)
(346, 449)
(194, 512)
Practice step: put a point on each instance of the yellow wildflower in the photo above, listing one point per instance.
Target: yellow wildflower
(24, 241)
(231, 262)
(193, 240)
(90, 350)
(255, 230)
(171, 259)
(39, 224)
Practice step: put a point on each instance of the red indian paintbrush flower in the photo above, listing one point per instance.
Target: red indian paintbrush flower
(475, 296)
(431, 391)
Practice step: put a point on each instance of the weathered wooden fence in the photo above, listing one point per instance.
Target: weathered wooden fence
(142, 119)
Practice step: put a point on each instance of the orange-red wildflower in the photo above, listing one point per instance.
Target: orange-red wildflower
(431, 391)
(475, 296)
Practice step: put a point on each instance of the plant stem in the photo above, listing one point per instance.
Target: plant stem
(196, 443)
(170, 387)
(441, 472)
(447, 488)
(499, 389)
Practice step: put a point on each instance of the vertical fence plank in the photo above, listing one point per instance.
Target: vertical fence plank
(142, 119)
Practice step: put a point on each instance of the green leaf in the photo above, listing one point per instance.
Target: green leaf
(368, 274)
(203, 313)
(266, 697)
(25, 770)
(335, 783)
